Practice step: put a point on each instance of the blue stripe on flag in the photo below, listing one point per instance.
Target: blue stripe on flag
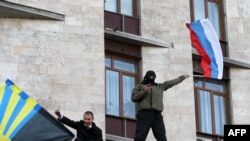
(24, 95)
(5, 100)
(9, 82)
(24, 121)
(15, 113)
(37, 107)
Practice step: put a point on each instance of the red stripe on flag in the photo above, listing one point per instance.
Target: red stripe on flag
(205, 60)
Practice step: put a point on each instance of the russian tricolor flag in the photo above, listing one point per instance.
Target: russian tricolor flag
(206, 42)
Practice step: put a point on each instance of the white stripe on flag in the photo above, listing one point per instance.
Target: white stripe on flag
(214, 40)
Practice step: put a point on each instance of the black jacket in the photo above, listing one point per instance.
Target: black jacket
(84, 133)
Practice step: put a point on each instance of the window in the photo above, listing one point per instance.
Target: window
(122, 73)
(121, 76)
(120, 80)
(126, 7)
(211, 107)
(211, 9)
(202, 139)
(121, 15)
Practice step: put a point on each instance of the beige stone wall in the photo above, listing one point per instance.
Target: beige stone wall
(238, 19)
(58, 63)
(165, 20)
(61, 63)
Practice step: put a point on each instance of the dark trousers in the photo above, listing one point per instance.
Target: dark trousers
(77, 139)
(147, 119)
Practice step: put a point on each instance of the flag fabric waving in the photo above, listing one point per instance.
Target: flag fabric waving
(23, 119)
(206, 42)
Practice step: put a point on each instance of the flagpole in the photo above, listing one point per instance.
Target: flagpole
(198, 76)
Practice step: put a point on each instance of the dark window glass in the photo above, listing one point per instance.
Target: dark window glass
(125, 7)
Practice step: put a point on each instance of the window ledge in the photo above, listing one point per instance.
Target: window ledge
(134, 39)
(117, 138)
(13, 10)
(228, 62)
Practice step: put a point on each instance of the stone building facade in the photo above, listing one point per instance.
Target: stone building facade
(56, 50)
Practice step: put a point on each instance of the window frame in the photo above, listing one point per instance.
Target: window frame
(121, 74)
(221, 15)
(212, 93)
(121, 125)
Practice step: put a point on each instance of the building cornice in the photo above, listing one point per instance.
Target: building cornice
(228, 62)
(134, 39)
(13, 10)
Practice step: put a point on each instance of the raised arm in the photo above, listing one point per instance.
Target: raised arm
(65, 120)
(170, 83)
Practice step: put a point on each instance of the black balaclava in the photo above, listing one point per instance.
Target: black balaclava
(147, 79)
